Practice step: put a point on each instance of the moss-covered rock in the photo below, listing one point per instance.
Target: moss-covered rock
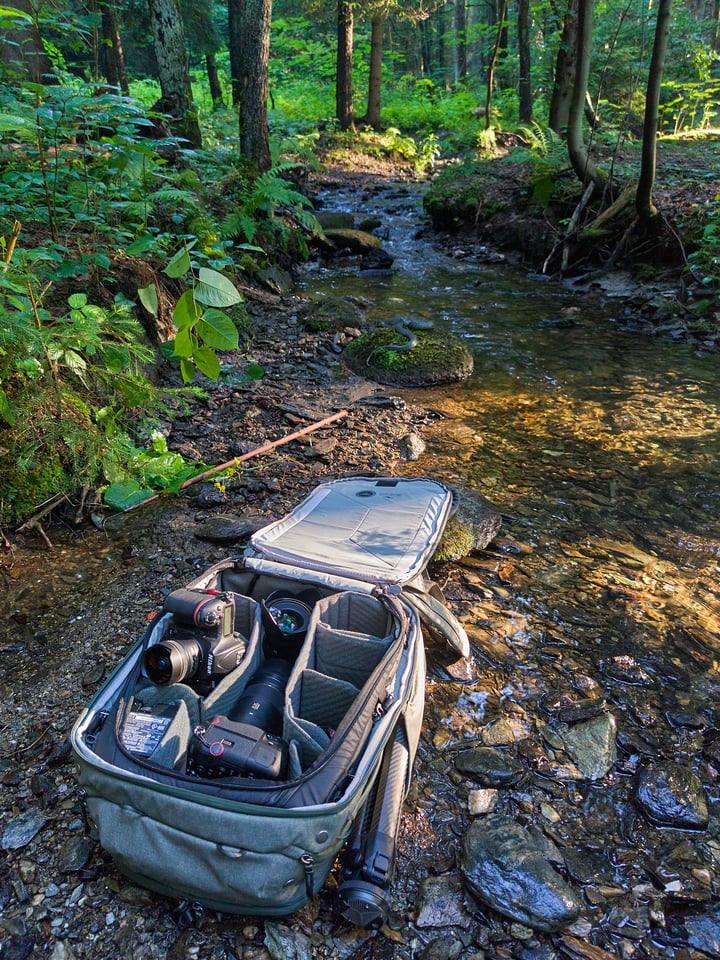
(437, 358)
(356, 241)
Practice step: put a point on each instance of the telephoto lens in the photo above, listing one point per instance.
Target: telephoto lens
(261, 704)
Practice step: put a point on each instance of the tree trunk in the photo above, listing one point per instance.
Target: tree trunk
(254, 56)
(644, 205)
(113, 56)
(172, 64)
(22, 49)
(461, 67)
(577, 151)
(372, 115)
(493, 61)
(524, 81)
(561, 98)
(214, 81)
(343, 82)
(234, 20)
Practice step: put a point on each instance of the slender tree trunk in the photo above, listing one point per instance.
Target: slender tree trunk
(214, 81)
(461, 67)
(22, 48)
(255, 53)
(344, 83)
(643, 198)
(493, 61)
(172, 64)
(524, 81)
(577, 151)
(372, 115)
(234, 20)
(564, 73)
(113, 56)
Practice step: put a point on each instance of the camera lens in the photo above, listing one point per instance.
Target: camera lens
(261, 705)
(171, 662)
(290, 615)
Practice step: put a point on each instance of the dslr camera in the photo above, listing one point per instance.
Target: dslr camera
(201, 645)
(248, 742)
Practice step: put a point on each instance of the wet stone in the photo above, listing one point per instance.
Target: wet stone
(671, 795)
(704, 932)
(441, 904)
(20, 831)
(591, 745)
(508, 870)
(626, 669)
(489, 768)
(75, 854)
(227, 528)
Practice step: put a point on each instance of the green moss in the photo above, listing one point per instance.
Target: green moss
(458, 541)
(437, 358)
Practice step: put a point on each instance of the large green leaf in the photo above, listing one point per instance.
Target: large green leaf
(187, 369)
(207, 362)
(215, 290)
(120, 496)
(186, 312)
(149, 298)
(185, 343)
(179, 264)
(217, 330)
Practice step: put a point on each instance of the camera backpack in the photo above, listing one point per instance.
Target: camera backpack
(238, 786)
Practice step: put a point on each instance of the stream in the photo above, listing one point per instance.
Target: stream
(601, 448)
(597, 603)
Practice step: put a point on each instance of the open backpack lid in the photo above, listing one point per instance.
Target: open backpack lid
(373, 529)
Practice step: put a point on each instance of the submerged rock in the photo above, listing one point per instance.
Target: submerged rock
(506, 868)
(488, 767)
(671, 795)
(591, 745)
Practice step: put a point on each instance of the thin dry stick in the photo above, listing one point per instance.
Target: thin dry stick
(265, 448)
(17, 226)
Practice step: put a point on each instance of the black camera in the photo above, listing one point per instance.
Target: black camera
(201, 645)
(248, 742)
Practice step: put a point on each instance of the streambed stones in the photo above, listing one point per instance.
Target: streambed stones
(507, 869)
(671, 795)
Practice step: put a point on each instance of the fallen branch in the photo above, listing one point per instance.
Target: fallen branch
(256, 452)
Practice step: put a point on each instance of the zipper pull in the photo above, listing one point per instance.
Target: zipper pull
(307, 861)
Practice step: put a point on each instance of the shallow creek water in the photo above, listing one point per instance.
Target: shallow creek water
(600, 445)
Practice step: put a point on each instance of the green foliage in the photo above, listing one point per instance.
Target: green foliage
(706, 260)
(72, 390)
(547, 152)
(147, 472)
(272, 212)
(202, 326)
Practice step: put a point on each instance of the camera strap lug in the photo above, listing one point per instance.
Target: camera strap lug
(308, 864)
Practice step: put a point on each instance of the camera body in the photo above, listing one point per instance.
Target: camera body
(201, 645)
(248, 742)
(226, 748)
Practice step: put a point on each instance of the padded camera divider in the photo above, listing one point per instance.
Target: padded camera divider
(356, 612)
(315, 706)
(347, 655)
